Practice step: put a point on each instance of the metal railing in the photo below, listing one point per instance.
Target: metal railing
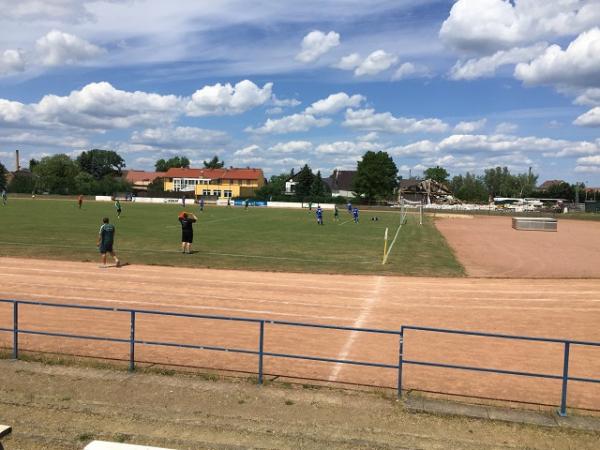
(261, 353)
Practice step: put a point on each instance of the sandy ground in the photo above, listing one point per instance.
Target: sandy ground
(490, 247)
(550, 308)
(60, 408)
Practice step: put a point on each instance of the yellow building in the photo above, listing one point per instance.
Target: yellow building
(221, 183)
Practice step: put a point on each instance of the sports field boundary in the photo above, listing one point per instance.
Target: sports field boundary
(261, 352)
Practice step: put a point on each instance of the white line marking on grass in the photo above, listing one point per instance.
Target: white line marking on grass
(345, 221)
(361, 319)
(177, 251)
(393, 242)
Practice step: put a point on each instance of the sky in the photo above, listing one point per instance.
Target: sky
(275, 84)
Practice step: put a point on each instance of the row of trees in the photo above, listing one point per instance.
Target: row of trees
(93, 172)
(162, 165)
(309, 187)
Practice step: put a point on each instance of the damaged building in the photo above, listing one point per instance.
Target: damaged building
(425, 191)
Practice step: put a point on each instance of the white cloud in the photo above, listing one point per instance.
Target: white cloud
(486, 66)
(11, 61)
(589, 97)
(369, 137)
(376, 62)
(588, 169)
(347, 148)
(577, 66)
(179, 137)
(470, 127)
(577, 148)
(250, 150)
(589, 160)
(590, 118)
(225, 99)
(11, 112)
(290, 124)
(506, 128)
(368, 120)
(349, 62)
(410, 70)
(97, 106)
(486, 26)
(334, 103)
(101, 106)
(36, 139)
(418, 148)
(274, 111)
(58, 48)
(315, 44)
(286, 102)
(292, 147)
(42, 9)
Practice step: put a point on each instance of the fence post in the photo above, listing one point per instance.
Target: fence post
(132, 343)
(565, 380)
(261, 343)
(15, 354)
(400, 360)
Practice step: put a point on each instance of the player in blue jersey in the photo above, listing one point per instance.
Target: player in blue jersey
(355, 214)
(349, 206)
(319, 214)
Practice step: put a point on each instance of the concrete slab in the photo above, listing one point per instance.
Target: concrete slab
(105, 445)
(580, 422)
(523, 416)
(5, 430)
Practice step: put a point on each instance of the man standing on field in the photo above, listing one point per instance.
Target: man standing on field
(80, 200)
(118, 208)
(187, 231)
(106, 238)
(4, 197)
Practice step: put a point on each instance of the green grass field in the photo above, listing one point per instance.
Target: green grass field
(227, 238)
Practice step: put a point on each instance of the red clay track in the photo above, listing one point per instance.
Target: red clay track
(550, 308)
(490, 247)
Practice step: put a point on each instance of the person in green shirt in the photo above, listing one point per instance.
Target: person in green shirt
(106, 238)
(118, 208)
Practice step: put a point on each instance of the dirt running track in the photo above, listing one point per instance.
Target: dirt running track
(551, 308)
(490, 247)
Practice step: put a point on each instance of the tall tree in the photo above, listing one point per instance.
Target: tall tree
(100, 163)
(214, 163)
(274, 188)
(32, 163)
(176, 161)
(3, 173)
(56, 174)
(469, 188)
(317, 188)
(376, 176)
(304, 181)
(437, 173)
(22, 182)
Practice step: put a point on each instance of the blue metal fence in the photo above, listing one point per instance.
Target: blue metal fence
(260, 352)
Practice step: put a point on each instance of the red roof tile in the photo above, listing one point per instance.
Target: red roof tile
(141, 175)
(212, 174)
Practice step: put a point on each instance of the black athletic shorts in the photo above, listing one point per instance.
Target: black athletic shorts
(187, 236)
(106, 248)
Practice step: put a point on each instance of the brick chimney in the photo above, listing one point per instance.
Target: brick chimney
(17, 165)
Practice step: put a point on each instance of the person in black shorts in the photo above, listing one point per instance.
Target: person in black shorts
(106, 238)
(187, 231)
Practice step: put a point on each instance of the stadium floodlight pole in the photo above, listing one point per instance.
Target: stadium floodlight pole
(385, 240)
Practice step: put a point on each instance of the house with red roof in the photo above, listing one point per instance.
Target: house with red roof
(140, 179)
(220, 183)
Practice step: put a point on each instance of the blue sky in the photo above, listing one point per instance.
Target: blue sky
(466, 84)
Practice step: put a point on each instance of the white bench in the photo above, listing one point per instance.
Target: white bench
(5, 430)
(104, 445)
